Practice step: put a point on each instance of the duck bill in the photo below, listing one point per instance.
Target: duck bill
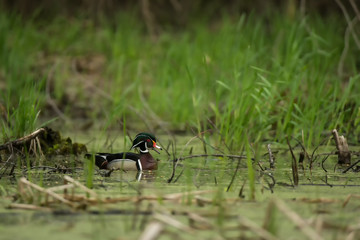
(155, 147)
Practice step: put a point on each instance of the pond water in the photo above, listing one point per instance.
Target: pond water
(216, 211)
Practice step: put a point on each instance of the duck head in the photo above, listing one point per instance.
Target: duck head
(145, 141)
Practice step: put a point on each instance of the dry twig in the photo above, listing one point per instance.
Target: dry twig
(256, 229)
(351, 166)
(27, 207)
(76, 183)
(24, 182)
(172, 222)
(26, 191)
(297, 220)
(271, 157)
(199, 222)
(347, 199)
(293, 165)
(152, 231)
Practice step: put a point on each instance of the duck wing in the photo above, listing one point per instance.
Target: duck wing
(118, 156)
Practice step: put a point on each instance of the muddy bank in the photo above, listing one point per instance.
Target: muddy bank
(44, 145)
(44, 141)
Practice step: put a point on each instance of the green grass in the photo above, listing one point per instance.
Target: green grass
(22, 94)
(266, 79)
(24, 116)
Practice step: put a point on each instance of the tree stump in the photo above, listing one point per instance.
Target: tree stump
(344, 156)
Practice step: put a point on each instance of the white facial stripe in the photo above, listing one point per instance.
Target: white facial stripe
(137, 144)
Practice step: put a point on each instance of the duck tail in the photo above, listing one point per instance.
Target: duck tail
(100, 161)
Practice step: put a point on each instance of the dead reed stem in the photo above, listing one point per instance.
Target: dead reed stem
(347, 199)
(28, 207)
(294, 167)
(261, 232)
(297, 220)
(168, 220)
(152, 231)
(78, 184)
(26, 191)
(271, 157)
(24, 181)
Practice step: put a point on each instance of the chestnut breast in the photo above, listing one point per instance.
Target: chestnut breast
(148, 162)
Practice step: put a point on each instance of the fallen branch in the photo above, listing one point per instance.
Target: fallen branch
(22, 140)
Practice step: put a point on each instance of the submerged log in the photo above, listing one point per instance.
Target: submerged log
(344, 155)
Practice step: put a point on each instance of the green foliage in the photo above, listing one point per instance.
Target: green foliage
(89, 172)
(22, 96)
(251, 171)
(268, 78)
(23, 117)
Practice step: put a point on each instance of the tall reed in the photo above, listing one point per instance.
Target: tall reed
(270, 78)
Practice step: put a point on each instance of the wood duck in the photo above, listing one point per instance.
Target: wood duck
(129, 160)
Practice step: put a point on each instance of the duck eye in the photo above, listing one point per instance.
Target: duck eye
(149, 143)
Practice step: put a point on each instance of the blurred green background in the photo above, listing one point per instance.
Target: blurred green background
(244, 69)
